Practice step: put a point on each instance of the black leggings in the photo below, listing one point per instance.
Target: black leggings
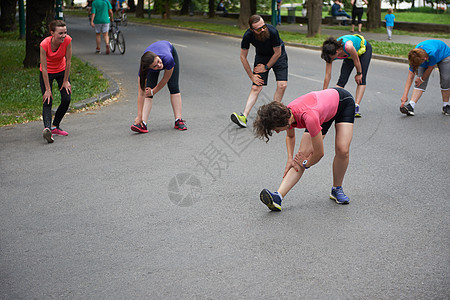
(357, 12)
(347, 67)
(172, 84)
(47, 107)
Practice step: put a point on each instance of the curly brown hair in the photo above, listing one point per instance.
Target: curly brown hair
(270, 116)
(415, 58)
(329, 48)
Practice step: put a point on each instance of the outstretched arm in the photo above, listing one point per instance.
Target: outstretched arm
(326, 80)
(425, 75)
(48, 89)
(255, 78)
(167, 74)
(408, 84)
(354, 55)
(273, 60)
(290, 145)
(66, 84)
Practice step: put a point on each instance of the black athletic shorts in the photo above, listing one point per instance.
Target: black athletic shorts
(345, 112)
(280, 68)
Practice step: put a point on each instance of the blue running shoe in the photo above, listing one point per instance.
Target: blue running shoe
(272, 200)
(337, 194)
(357, 112)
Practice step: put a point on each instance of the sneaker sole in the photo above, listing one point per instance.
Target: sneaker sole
(266, 198)
(337, 201)
(403, 110)
(180, 129)
(60, 134)
(47, 134)
(138, 130)
(357, 115)
(235, 120)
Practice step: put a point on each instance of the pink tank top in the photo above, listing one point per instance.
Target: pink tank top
(313, 109)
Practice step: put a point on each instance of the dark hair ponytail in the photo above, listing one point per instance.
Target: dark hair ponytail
(146, 60)
(330, 47)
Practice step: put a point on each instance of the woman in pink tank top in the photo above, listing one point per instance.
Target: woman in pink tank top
(56, 56)
(315, 111)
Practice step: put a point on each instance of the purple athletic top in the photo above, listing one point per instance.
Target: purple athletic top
(164, 50)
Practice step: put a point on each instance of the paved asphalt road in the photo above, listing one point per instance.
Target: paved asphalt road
(109, 214)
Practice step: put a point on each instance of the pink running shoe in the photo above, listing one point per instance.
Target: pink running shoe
(179, 124)
(59, 131)
(140, 128)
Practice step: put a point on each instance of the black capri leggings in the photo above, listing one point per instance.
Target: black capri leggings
(357, 12)
(47, 107)
(347, 67)
(172, 84)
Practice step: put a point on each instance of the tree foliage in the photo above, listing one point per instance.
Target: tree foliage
(8, 15)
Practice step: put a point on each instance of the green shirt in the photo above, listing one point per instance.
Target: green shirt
(101, 10)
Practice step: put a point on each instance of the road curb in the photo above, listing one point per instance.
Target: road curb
(112, 90)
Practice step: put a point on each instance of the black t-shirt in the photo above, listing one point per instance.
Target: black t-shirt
(262, 48)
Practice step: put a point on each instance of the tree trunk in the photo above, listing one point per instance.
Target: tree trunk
(314, 11)
(39, 14)
(158, 7)
(140, 9)
(185, 7)
(166, 14)
(212, 9)
(244, 14)
(253, 7)
(373, 14)
(131, 5)
(8, 15)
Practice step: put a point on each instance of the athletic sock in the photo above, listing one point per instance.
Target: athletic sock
(445, 103)
(412, 103)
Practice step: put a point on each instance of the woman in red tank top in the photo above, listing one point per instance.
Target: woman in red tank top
(55, 56)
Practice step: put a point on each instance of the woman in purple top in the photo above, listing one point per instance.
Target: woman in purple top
(158, 56)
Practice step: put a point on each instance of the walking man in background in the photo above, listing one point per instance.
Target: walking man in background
(101, 17)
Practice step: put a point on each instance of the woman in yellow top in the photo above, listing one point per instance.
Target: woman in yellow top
(356, 52)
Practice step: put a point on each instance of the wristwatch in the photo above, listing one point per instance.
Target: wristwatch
(358, 73)
(266, 67)
(304, 164)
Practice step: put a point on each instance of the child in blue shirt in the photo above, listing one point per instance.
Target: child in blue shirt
(389, 22)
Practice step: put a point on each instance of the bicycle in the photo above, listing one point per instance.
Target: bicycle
(122, 16)
(116, 37)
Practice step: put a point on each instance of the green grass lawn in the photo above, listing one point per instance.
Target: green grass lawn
(414, 17)
(20, 92)
(417, 17)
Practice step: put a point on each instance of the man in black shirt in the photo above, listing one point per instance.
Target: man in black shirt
(270, 54)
